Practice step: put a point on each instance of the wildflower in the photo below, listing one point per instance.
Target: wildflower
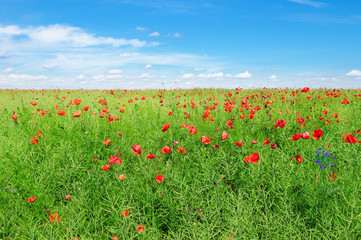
(61, 112)
(224, 135)
(140, 228)
(239, 143)
(136, 149)
(333, 176)
(254, 157)
(165, 127)
(114, 159)
(206, 140)
(34, 140)
(125, 213)
(150, 156)
(105, 167)
(67, 197)
(281, 123)
(107, 142)
(266, 142)
(54, 217)
(159, 178)
(166, 149)
(181, 150)
(273, 146)
(30, 199)
(77, 113)
(322, 167)
(122, 176)
(317, 134)
(317, 161)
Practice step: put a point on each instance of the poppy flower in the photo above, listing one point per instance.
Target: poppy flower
(281, 123)
(125, 213)
(54, 217)
(136, 149)
(192, 131)
(181, 150)
(39, 133)
(305, 89)
(61, 112)
(344, 101)
(254, 141)
(67, 197)
(107, 141)
(215, 146)
(242, 116)
(150, 156)
(266, 141)
(224, 135)
(324, 112)
(165, 127)
(77, 101)
(349, 138)
(115, 238)
(77, 113)
(122, 176)
(305, 135)
(239, 143)
(159, 178)
(301, 121)
(298, 159)
(31, 199)
(114, 159)
(105, 167)
(140, 228)
(333, 176)
(170, 113)
(206, 140)
(86, 108)
(296, 137)
(34, 140)
(15, 117)
(273, 146)
(121, 110)
(254, 157)
(166, 149)
(317, 134)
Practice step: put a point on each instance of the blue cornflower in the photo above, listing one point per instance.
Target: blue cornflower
(332, 165)
(317, 155)
(323, 167)
(333, 157)
(317, 161)
(327, 154)
(319, 150)
(6, 188)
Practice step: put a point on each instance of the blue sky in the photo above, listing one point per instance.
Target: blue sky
(138, 44)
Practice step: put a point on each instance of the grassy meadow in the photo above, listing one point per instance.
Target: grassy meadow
(180, 164)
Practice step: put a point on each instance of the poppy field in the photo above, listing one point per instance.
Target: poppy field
(180, 164)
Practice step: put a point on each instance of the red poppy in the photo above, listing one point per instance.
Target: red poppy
(54, 217)
(192, 131)
(239, 143)
(215, 146)
(281, 123)
(305, 135)
(266, 141)
(251, 116)
(305, 89)
(273, 146)
(67, 197)
(324, 112)
(107, 141)
(31, 199)
(242, 116)
(254, 157)
(77, 113)
(15, 117)
(125, 213)
(170, 113)
(105, 167)
(140, 228)
(114, 159)
(115, 238)
(224, 135)
(150, 156)
(296, 137)
(166, 149)
(61, 112)
(77, 101)
(317, 134)
(349, 138)
(333, 176)
(298, 159)
(206, 140)
(122, 176)
(34, 140)
(86, 108)
(136, 149)
(121, 110)
(181, 150)
(39, 133)
(344, 101)
(165, 127)
(159, 178)
(301, 121)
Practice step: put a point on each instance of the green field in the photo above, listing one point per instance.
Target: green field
(208, 191)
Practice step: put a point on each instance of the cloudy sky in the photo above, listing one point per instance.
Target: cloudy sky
(139, 44)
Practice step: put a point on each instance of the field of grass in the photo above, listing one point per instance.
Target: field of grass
(55, 182)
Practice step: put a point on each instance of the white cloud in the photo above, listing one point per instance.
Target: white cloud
(145, 75)
(198, 69)
(140, 28)
(148, 66)
(246, 74)
(71, 36)
(177, 35)
(229, 75)
(354, 73)
(310, 3)
(9, 69)
(273, 78)
(80, 77)
(188, 75)
(115, 71)
(114, 76)
(154, 34)
(211, 75)
(26, 77)
(3, 54)
(48, 66)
